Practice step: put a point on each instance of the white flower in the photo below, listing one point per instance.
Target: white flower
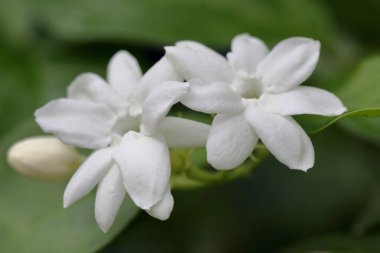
(107, 117)
(254, 92)
(44, 157)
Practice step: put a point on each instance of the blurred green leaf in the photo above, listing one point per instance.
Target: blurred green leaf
(276, 205)
(18, 79)
(362, 90)
(213, 22)
(341, 180)
(314, 123)
(361, 95)
(337, 243)
(361, 20)
(32, 218)
(370, 217)
(15, 30)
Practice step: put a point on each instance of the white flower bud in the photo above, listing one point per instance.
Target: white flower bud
(44, 157)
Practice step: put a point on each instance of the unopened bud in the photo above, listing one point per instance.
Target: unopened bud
(44, 157)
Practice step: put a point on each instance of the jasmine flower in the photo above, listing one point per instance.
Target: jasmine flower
(125, 121)
(254, 92)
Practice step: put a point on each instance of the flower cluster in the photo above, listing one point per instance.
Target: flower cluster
(124, 118)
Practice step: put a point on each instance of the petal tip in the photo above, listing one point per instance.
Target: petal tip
(103, 225)
(315, 45)
(305, 166)
(163, 209)
(169, 50)
(216, 164)
(306, 169)
(68, 198)
(121, 54)
(342, 110)
(243, 35)
(66, 202)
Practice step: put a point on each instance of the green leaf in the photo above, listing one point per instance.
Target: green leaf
(361, 95)
(314, 124)
(362, 90)
(213, 22)
(32, 218)
(18, 87)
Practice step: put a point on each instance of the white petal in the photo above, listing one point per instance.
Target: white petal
(158, 104)
(91, 88)
(303, 100)
(184, 133)
(144, 163)
(212, 98)
(123, 73)
(78, 123)
(230, 142)
(288, 64)
(246, 53)
(284, 138)
(192, 62)
(88, 175)
(160, 72)
(163, 208)
(193, 45)
(109, 196)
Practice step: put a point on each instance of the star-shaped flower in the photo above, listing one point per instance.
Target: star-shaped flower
(254, 92)
(125, 121)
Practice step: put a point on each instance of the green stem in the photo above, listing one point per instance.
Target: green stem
(194, 177)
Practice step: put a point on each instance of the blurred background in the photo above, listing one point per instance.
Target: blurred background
(334, 207)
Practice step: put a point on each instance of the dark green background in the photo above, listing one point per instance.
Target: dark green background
(334, 207)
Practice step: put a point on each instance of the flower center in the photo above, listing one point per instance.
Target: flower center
(248, 87)
(127, 123)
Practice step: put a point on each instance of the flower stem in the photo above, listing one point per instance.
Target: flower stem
(195, 177)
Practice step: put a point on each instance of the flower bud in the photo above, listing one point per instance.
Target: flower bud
(44, 157)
